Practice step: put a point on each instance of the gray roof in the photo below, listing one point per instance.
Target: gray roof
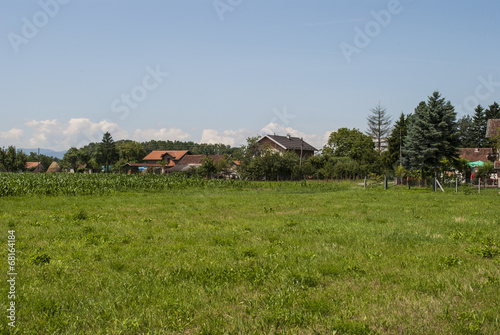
(291, 143)
(183, 167)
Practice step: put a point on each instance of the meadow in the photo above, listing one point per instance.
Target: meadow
(157, 255)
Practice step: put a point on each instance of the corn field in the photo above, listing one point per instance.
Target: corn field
(12, 184)
(26, 184)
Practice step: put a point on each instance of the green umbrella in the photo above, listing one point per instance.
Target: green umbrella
(476, 164)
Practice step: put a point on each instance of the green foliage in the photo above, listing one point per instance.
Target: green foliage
(395, 140)
(352, 144)
(269, 164)
(492, 112)
(485, 170)
(466, 133)
(479, 122)
(72, 159)
(432, 135)
(401, 172)
(207, 168)
(12, 160)
(131, 151)
(107, 152)
(472, 130)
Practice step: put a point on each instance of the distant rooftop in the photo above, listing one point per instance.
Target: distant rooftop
(290, 142)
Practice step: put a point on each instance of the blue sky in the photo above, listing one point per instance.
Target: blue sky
(223, 70)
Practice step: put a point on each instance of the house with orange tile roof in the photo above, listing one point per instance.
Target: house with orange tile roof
(158, 161)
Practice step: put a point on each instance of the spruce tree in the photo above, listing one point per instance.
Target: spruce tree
(432, 135)
(395, 140)
(466, 133)
(493, 112)
(379, 124)
(478, 127)
(107, 153)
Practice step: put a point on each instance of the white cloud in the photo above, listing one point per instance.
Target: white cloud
(238, 137)
(78, 132)
(229, 137)
(81, 131)
(144, 135)
(11, 135)
(57, 135)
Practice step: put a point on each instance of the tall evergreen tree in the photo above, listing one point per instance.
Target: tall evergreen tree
(107, 153)
(379, 124)
(466, 135)
(432, 135)
(478, 127)
(395, 140)
(492, 112)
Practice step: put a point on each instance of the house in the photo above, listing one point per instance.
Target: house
(288, 143)
(478, 154)
(35, 167)
(158, 161)
(493, 128)
(171, 157)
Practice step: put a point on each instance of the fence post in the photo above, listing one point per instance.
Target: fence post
(385, 183)
(456, 184)
(365, 183)
(479, 185)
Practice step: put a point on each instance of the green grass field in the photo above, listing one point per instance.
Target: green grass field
(254, 259)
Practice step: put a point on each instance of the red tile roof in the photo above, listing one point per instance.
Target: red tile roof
(156, 155)
(477, 154)
(142, 164)
(178, 154)
(31, 165)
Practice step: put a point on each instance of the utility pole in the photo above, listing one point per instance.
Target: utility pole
(400, 148)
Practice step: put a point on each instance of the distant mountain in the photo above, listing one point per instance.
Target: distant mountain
(46, 152)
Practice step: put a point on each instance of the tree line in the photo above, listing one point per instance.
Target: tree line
(423, 143)
(107, 155)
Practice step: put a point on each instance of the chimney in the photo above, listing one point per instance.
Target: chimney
(288, 136)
